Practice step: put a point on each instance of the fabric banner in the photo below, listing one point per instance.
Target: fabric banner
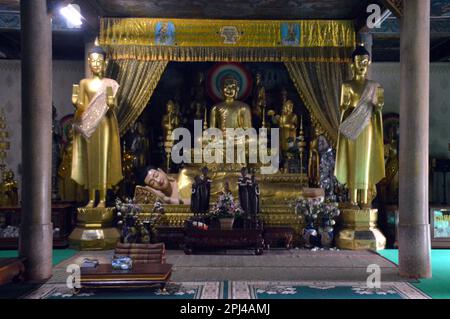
(228, 40)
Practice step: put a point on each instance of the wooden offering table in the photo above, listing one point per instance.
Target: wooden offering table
(213, 239)
(140, 276)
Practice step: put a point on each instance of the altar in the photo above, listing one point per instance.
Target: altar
(238, 110)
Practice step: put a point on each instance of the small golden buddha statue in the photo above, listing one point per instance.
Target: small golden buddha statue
(314, 160)
(170, 120)
(96, 160)
(288, 123)
(198, 103)
(10, 196)
(259, 97)
(230, 113)
(359, 158)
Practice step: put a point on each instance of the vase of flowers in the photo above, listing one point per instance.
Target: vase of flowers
(328, 213)
(309, 209)
(319, 219)
(134, 227)
(226, 210)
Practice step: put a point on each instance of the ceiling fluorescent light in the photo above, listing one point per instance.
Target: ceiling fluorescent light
(72, 15)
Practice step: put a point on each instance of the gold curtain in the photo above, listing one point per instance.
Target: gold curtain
(138, 80)
(319, 85)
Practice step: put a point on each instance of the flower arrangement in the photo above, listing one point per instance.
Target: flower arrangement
(134, 228)
(226, 207)
(317, 211)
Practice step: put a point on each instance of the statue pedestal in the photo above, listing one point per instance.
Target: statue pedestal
(94, 231)
(359, 230)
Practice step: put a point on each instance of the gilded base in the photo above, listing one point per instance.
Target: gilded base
(94, 231)
(359, 231)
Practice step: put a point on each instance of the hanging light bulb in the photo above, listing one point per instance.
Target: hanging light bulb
(72, 14)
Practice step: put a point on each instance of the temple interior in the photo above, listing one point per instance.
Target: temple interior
(224, 149)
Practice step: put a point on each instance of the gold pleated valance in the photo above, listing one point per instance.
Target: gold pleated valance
(227, 40)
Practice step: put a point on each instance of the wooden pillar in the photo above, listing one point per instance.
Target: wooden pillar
(414, 227)
(36, 231)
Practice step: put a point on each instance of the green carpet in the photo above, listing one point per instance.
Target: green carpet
(437, 287)
(59, 255)
(13, 291)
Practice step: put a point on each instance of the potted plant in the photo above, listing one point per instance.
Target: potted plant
(226, 210)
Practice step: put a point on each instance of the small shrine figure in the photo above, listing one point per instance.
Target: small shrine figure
(170, 120)
(243, 189)
(198, 103)
(284, 96)
(314, 161)
(259, 100)
(195, 198)
(253, 195)
(204, 191)
(288, 125)
(9, 193)
(140, 145)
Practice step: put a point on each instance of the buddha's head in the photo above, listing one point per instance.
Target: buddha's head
(97, 60)
(157, 179)
(230, 88)
(361, 61)
(170, 106)
(288, 107)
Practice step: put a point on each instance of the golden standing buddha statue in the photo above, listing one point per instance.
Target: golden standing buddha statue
(359, 160)
(96, 160)
(288, 125)
(230, 113)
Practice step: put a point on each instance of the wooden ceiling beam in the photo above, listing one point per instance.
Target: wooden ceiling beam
(396, 7)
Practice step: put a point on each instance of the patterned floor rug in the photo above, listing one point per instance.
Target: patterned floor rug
(241, 290)
(321, 290)
(185, 290)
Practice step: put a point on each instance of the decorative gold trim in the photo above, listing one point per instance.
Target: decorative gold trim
(209, 33)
